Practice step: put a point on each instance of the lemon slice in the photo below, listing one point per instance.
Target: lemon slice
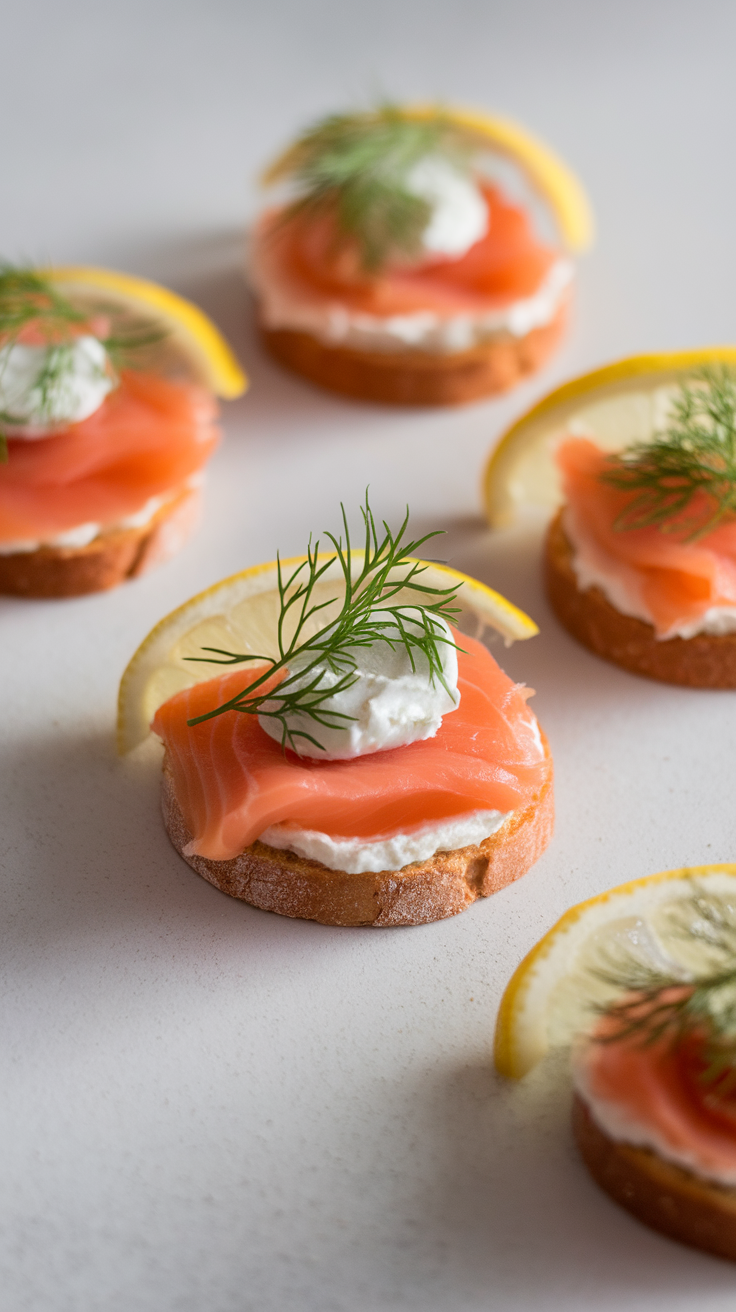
(549, 175)
(623, 402)
(545, 170)
(552, 995)
(192, 344)
(240, 614)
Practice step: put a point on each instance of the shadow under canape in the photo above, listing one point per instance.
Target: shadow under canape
(98, 867)
(507, 1211)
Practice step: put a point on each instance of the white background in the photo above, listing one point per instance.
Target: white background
(212, 1109)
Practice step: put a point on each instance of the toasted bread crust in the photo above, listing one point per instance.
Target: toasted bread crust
(106, 561)
(429, 890)
(684, 1206)
(415, 377)
(705, 661)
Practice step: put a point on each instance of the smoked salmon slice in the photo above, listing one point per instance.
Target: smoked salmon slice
(233, 781)
(667, 578)
(658, 1089)
(148, 437)
(302, 259)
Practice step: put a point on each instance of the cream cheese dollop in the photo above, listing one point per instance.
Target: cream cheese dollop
(459, 213)
(78, 378)
(390, 704)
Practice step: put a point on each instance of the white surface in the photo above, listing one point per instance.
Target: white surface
(205, 1106)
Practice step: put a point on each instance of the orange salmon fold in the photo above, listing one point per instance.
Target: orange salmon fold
(506, 265)
(660, 1089)
(233, 781)
(147, 438)
(671, 580)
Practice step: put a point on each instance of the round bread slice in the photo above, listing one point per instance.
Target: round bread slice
(676, 1202)
(414, 377)
(705, 661)
(446, 884)
(106, 561)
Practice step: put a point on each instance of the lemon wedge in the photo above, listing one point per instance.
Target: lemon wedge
(192, 343)
(621, 403)
(548, 174)
(240, 614)
(553, 993)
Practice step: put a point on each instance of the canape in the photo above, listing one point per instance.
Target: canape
(107, 419)
(399, 269)
(359, 760)
(654, 1058)
(640, 561)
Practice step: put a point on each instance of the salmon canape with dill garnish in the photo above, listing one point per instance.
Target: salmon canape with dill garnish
(641, 561)
(641, 982)
(356, 759)
(400, 270)
(107, 419)
(636, 464)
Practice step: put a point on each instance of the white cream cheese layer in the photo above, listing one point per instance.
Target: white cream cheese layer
(389, 704)
(45, 387)
(622, 585)
(618, 1123)
(356, 856)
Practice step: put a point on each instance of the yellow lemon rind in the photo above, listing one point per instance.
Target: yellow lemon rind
(549, 174)
(509, 1058)
(204, 340)
(563, 402)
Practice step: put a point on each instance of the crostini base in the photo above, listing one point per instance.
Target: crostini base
(664, 1196)
(705, 661)
(105, 562)
(290, 885)
(414, 377)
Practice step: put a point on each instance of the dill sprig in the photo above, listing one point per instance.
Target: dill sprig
(366, 617)
(356, 167)
(27, 297)
(684, 479)
(659, 1005)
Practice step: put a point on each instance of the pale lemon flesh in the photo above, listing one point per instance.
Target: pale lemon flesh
(548, 174)
(555, 993)
(621, 403)
(191, 342)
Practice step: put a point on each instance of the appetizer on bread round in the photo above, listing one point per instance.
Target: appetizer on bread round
(640, 561)
(399, 270)
(642, 982)
(107, 419)
(357, 759)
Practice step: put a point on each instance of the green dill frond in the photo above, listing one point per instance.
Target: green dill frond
(356, 167)
(366, 617)
(655, 1004)
(684, 479)
(124, 345)
(27, 297)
